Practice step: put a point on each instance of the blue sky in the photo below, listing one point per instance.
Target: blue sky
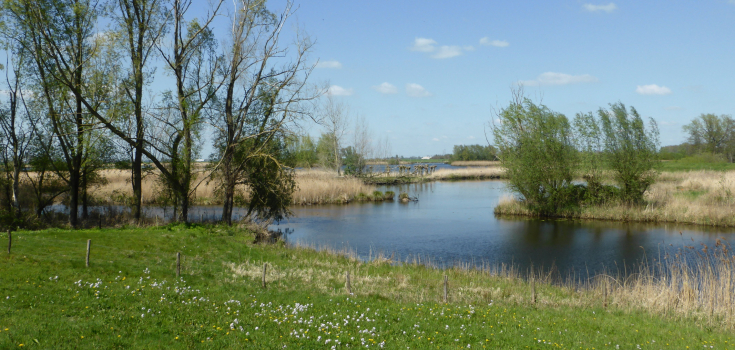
(428, 74)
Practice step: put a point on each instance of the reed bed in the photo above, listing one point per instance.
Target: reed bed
(467, 173)
(322, 187)
(312, 187)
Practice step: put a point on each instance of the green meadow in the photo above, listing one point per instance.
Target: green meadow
(130, 297)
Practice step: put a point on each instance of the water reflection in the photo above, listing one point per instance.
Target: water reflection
(454, 222)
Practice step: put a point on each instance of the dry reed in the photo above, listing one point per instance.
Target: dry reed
(476, 163)
(312, 187)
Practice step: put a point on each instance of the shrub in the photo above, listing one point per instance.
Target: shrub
(535, 146)
(630, 150)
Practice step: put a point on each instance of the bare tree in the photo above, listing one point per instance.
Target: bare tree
(264, 93)
(335, 118)
(16, 126)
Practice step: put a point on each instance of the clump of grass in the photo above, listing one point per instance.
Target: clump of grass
(389, 195)
(403, 196)
(378, 196)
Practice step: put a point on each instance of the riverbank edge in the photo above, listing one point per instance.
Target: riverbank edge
(615, 213)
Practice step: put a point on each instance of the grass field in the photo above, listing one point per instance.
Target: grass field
(130, 298)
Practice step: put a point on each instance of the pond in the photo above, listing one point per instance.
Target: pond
(453, 222)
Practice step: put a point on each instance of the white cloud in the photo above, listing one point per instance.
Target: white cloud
(438, 52)
(329, 64)
(652, 89)
(604, 8)
(497, 43)
(447, 52)
(336, 90)
(552, 78)
(435, 139)
(416, 90)
(423, 45)
(386, 88)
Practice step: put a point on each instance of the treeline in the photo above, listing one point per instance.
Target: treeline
(473, 152)
(138, 83)
(711, 138)
(544, 152)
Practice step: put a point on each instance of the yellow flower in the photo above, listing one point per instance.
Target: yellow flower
(82, 337)
(177, 337)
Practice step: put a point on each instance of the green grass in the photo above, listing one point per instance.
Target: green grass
(130, 298)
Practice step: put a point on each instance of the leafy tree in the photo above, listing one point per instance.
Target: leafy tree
(630, 150)
(536, 147)
(264, 93)
(712, 134)
(473, 152)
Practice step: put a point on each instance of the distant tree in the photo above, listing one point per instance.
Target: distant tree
(712, 134)
(630, 150)
(335, 118)
(473, 152)
(301, 151)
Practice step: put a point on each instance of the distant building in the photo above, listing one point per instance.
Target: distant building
(425, 157)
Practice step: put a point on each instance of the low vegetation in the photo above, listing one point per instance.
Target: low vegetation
(695, 197)
(130, 297)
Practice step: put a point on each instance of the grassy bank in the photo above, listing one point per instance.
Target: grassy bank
(130, 298)
(695, 197)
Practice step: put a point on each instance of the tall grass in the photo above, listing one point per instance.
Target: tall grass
(467, 173)
(475, 163)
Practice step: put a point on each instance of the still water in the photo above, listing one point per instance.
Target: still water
(453, 222)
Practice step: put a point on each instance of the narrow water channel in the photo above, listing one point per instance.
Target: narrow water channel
(453, 222)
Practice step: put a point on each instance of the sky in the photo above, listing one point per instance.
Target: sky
(429, 75)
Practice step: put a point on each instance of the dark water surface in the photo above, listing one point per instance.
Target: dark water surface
(454, 222)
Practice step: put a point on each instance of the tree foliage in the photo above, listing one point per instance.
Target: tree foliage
(536, 148)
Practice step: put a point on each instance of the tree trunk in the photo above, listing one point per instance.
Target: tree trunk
(74, 198)
(85, 204)
(229, 192)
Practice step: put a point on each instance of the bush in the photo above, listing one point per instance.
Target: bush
(630, 150)
(535, 146)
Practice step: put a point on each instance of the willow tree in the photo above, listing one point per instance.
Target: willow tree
(264, 93)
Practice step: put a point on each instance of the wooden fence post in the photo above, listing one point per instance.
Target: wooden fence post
(264, 268)
(349, 287)
(178, 264)
(533, 290)
(89, 245)
(100, 223)
(445, 288)
(604, 295)
(10, 240)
